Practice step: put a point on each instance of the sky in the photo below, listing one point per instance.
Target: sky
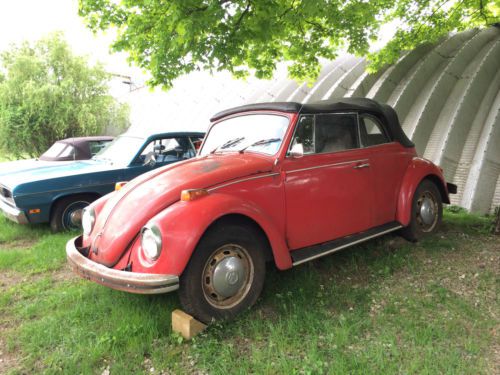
(33, 19)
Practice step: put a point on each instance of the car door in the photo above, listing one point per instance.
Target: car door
(327, 190)
(388, 162)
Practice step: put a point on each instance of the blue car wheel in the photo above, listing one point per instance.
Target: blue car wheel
(67, 213)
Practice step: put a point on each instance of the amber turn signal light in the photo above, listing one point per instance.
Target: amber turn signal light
(192, 194)
(119, 185)
(34, 211)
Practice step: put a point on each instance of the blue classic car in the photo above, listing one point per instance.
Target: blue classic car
(56, 192)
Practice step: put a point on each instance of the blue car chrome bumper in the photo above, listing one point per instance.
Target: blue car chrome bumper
(13, 213)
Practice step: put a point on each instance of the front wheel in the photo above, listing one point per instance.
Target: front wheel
(67, 212)
(225, 274)
(426, 212)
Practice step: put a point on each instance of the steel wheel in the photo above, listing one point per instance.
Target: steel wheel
(72, 215)
(227, 276)
(427, 211)
(67, 212)
(226, 272)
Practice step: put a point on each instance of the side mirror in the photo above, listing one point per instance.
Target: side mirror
(297, 151)
(150, 159)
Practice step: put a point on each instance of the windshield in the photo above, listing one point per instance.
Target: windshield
(121, 150)
(258, 133)
(59, 150)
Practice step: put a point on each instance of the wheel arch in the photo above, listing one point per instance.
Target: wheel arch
(244, 220)
(419, 170)
(185, 223)
(59, 198)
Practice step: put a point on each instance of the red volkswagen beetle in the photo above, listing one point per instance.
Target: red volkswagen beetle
(281, 182)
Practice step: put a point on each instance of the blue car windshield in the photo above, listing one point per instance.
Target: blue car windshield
(121, 150)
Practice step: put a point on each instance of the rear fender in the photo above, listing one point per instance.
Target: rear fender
(418, 170)
(183, 224)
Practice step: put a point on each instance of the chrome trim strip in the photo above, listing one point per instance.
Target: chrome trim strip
(335, 249)
(242, 180)
(327, 165)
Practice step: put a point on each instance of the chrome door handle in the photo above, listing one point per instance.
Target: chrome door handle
(364, 165)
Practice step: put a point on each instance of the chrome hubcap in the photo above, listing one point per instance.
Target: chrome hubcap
(227, 276)
(427, 211)
(76, 218)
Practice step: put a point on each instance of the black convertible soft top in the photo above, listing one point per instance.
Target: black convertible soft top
(383, 111)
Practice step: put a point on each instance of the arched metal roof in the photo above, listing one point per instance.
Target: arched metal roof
(447, 97)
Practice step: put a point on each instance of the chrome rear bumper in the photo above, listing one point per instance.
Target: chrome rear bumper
(133, 282)
(13, 213)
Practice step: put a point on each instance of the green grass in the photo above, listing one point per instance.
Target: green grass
(386, 306)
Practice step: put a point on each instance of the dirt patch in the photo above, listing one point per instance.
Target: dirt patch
(8, 361)
(18, 244)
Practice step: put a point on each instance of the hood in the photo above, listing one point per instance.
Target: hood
(129, 209)
(21, 172)
(24, 165)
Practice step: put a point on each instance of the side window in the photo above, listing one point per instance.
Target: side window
(304, 134)
(96, 146)
(326, 133)
(169, 150)
(335, 132)
(372, 132)
(196, 144)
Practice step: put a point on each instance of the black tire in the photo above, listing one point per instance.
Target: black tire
(426, 212)
(206, 291)
(67, 208)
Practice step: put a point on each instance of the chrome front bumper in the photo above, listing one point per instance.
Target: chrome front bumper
(133, 282)
(13, 213)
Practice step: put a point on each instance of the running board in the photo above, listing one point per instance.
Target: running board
(312, 252)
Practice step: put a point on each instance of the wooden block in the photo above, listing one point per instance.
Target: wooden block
(186, 325)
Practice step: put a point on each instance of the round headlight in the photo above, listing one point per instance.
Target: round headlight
(88, 220)
(151, 242)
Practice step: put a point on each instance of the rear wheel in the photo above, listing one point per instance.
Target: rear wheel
(426, 212)
(225, 274)
(67, 212)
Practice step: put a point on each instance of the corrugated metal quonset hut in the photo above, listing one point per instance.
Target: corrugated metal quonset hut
(447, 97)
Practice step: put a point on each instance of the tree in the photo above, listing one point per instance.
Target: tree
(171, 38)
(47, 93)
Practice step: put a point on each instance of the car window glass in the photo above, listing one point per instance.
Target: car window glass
(96, 146)
(372, 132)
(261, 133)
(304, 134)
(335, 132)
(55, 150)
(122, 150)
(169, 150)
(67, 152)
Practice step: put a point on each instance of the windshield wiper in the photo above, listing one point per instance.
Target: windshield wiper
(228, 144)
(260, 143)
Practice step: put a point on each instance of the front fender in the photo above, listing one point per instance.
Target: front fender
(417, 171)
(183, 224)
